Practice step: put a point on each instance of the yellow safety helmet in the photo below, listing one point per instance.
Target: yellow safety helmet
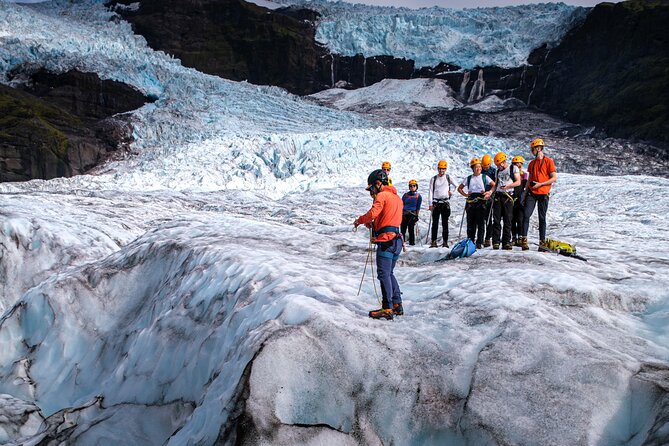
(486, 161)
(518, 159)
(413, 183)
(537, 142)
(442, 164)
(474, 162)
(385, 165)
(500, 158)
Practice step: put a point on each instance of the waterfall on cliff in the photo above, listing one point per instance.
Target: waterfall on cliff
(478, 89)
(463, 85)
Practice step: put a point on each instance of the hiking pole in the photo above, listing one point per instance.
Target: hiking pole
(369, 251)
(492, 203)
(462, 220)
(429, 225)
(420, 240)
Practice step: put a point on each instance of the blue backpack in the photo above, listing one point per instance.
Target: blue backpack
(463, 248)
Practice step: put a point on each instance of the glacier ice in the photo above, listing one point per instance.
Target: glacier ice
(469, 38)
(204, 290)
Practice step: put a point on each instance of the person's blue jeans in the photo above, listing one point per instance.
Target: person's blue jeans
(541, 202)
(387, 254)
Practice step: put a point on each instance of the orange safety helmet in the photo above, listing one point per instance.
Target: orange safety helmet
(474, 162)
(442, 164)
(385, 165)
(518, 159)
(537, 142)
(413, 183)
(500, 158)
(486, 161)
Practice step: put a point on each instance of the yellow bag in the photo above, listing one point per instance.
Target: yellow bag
(560, 247)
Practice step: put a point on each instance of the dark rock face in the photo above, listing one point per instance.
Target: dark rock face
(235, 40)
(62, 125)
(612, 71)
(84, 94)
(359, 71)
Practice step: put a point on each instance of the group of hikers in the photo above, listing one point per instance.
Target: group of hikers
(500, 202)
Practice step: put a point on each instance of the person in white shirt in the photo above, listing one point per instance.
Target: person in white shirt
(476, 195)
(507, 179)
(439, 194)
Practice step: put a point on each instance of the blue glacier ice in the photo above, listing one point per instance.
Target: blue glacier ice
(502, 37)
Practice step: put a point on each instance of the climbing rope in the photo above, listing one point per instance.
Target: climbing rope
(370, 251)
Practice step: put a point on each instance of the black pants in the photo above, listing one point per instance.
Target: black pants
(502, 212)
(476, 216)
(541, 201)
(409, 220)
(443, 210)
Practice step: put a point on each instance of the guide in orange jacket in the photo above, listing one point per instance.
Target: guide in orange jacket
(385, 218)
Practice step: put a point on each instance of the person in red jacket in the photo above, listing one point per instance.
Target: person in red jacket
(385, 218)
(537, 191)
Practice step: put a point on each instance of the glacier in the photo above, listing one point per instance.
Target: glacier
(469, 38)
(204, 290)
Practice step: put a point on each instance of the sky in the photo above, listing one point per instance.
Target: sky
(442, 3)
(466, 3)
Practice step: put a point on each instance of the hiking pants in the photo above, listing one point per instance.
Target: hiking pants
(502, 211)
(443, 210)
(517, 222)
(409, 221)
(387, 254)
(488, 222)
(541, 201)
(476, 215)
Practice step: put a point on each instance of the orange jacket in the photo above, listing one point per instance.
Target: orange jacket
(386, 211)
(540, 171)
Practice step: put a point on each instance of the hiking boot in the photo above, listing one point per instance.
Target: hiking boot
(479, 246)
(495, 246)
(382, 313)
(514, 242)
(487, 243)
(444, 245)
(517, 242)
(398, 310)
(433, 244)
(523, 243)
(507, 247)
(542, 246)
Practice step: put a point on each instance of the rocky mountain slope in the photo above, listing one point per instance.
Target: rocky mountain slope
(612, 71)
(61, 125)
(234, 39)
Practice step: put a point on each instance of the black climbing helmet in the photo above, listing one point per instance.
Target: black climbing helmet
(378, 174)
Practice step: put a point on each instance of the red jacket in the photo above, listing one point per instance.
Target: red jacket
(386, 211)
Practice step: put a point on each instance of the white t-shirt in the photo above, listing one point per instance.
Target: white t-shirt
(442, 185)
(476, 185)
(504, 178)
